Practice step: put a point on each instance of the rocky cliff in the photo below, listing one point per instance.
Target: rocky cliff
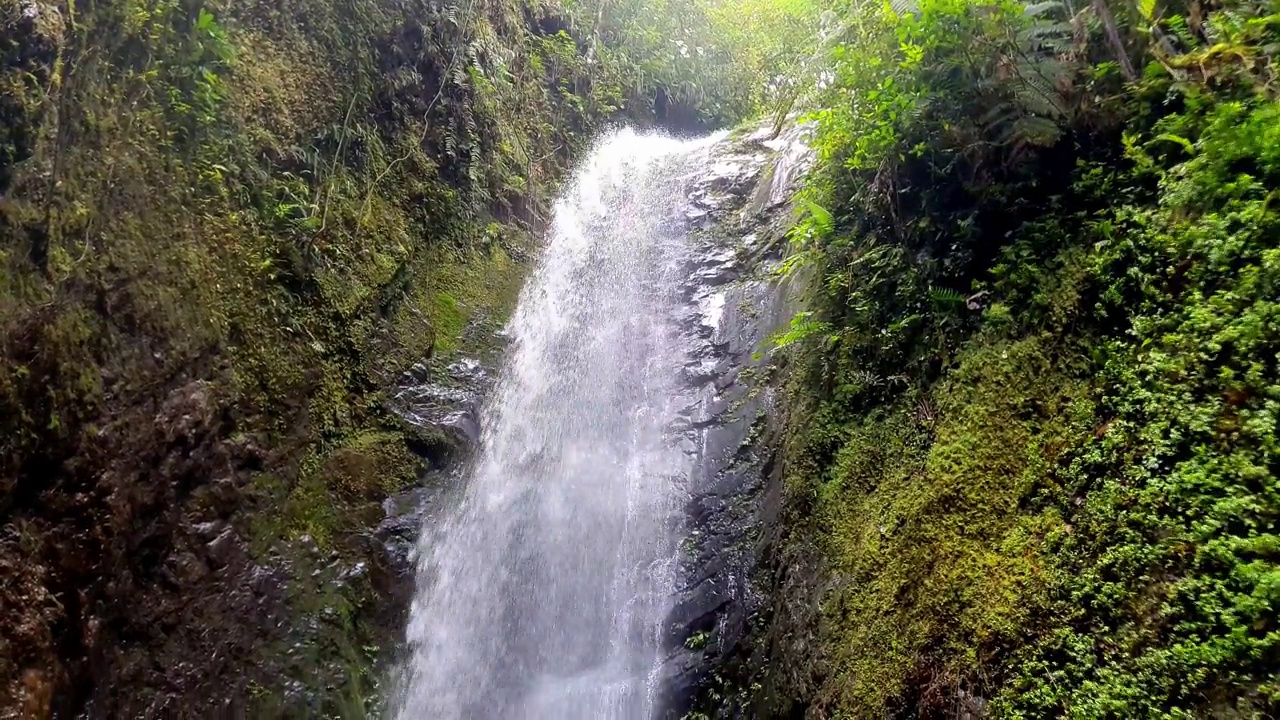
(232, 234)
(739, 212)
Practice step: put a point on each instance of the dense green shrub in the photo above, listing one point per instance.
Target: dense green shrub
(1034, 429)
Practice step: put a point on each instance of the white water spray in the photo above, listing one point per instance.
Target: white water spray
(542, 595)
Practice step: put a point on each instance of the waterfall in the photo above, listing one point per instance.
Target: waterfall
(543, 593)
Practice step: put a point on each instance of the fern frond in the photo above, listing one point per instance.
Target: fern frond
(946, 298)
(904, 7)
(998, 115)
(1035, 86)
(1032, 130)
(1041, 34)
(1035, 10)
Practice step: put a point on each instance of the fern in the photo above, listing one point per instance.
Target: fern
(1036, 10)
(904, 7)
(1034, 130)
(802, 327)
(998, 115)
(946, 299)
(822, 220)
(1179, 140)
(1177, 25)
(1035, 92)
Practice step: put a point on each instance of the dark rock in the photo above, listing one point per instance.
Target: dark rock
(736, 307)
(207, 531)
(222, 548)
(405, 514)
(970, 706)
(187, 412)
(441, 408)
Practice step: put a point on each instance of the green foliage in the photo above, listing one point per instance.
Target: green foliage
(697, 641)
(287, 204)
(923, 510)
(1172, 550)
(802, 328)
(709, 62)
(1035, 454)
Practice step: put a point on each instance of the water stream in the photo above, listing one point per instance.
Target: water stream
(542, 594)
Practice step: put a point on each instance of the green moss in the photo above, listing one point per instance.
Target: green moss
(371, 464)
(1171, 549)
(1032, 447)
(336, 491)
(255, 195)
(476, 288)
(924, 518)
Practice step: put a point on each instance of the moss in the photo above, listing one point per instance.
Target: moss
(263, 197)
(924, 517)
(369, 465)
(1032, 459)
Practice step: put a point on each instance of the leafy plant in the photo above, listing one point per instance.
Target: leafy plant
(1035, 457)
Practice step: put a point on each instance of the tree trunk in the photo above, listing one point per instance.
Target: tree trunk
(1113, 35)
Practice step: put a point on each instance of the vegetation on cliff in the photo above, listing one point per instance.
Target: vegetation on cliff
(226, 229)
(1031, 467)
(1033, 461)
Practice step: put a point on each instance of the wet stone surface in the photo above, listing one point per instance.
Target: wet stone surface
(739, 212)
(442, 404)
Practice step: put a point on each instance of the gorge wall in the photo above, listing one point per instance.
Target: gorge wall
(1029, 461)
(234, 239)
(1015, 455)
(600, 556)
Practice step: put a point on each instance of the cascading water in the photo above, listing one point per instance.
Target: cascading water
(543, 593)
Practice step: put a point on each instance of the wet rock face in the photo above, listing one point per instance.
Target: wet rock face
(438, 401)
(101, 583)
(740, 211)
(442, 407)
(146, 593)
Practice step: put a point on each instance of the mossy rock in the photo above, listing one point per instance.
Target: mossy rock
(370, 466)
